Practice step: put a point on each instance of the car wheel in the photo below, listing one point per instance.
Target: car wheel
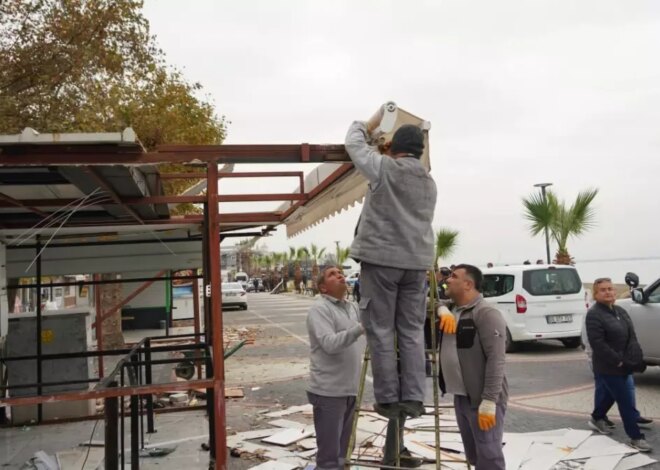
(511, 345)
(572, 343)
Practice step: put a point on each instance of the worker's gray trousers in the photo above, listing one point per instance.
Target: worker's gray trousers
(333, 423)
(483, 449)
(393, 302)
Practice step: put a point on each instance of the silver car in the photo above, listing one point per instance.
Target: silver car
(644, 309)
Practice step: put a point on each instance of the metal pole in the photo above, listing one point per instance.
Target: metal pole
(39, 331)
(99, 322)
(147, 378)
(135, 418)
(547, 237)
(196, 325)
(213, 229)
(111, 409)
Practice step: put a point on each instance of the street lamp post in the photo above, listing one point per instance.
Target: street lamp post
(547, 237)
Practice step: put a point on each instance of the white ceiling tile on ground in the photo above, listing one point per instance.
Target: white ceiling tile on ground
(287, 423)
(515, 450)
(603, 462)
(308, 444)
(289, 436)
(572, 438)
(542, 456)
(634, 461)
(247, 435)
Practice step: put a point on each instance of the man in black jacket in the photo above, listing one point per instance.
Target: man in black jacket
(615, 354)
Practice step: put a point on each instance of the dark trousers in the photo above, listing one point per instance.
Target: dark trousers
(483, 449)
(333, 423)
(601, 395)
(616, 389)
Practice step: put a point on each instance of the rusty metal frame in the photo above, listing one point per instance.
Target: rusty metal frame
(210, 156)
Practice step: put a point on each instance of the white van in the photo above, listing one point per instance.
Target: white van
(538, 302)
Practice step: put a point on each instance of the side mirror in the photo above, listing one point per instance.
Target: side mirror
(638, 295)
(632, 280)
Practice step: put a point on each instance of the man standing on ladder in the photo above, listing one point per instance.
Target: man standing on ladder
(472, 356)
(394, 244)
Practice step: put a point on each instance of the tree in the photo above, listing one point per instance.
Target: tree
(300, 254)
(92, 66)
(446, 241)
(561, 221)
(315, 254)
(344, 254)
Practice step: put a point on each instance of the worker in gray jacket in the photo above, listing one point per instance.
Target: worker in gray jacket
(472, 356)
(394, 244)
(336, 350)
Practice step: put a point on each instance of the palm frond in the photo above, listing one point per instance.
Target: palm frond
(539, 211)
(446, 241)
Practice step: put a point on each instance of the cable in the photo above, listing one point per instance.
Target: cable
(89, 444)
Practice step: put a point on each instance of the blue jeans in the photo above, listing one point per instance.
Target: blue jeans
(602, 395)
(619, 389)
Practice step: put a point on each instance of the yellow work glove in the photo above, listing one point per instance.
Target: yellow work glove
(487, 417)
(447, 321)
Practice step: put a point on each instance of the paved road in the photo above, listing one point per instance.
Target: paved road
(550, 386)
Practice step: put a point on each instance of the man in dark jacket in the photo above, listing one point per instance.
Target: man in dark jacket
(394, 244)
(615, 354)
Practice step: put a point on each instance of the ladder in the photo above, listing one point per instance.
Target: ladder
(433, 351)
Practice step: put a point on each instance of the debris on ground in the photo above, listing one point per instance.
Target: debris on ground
(247, 333)
(156, 451)
(293, 445)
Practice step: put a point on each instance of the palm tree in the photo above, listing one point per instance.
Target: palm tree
(446, 241)
(562, 222)
(344, 254)
(285, 259)
(315, 254)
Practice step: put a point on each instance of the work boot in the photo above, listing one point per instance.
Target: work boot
(388, 410)
(640, 444)
(406, 460)
(414, 409)
(599, 426)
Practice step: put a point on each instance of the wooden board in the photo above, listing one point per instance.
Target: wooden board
(234, 392)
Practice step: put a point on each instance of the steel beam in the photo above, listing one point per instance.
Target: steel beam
(108, 392)
(181, 154)
(8, 201)
(220, 436)
(96, 176)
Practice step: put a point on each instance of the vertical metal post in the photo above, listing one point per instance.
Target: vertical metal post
(213, 227)
(135, 418)
(40, 410)
(196, 325)
(168, 309)
(147, 379)
(210, 404)
(99, 323)
(111, 411)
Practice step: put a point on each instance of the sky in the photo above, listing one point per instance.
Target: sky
(517, 92)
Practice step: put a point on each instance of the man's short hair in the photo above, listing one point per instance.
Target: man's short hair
(320, 279)
(473, 273)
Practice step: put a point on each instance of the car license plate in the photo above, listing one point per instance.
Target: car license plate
(231, 294)
(560, 318)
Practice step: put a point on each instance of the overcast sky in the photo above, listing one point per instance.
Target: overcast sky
(517, 92)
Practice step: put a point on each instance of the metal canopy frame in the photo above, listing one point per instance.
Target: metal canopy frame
(23, 157)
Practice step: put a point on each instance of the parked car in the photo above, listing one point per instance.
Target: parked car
(242, 279)
(233, 295)
(643, 306)
(538, 302)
